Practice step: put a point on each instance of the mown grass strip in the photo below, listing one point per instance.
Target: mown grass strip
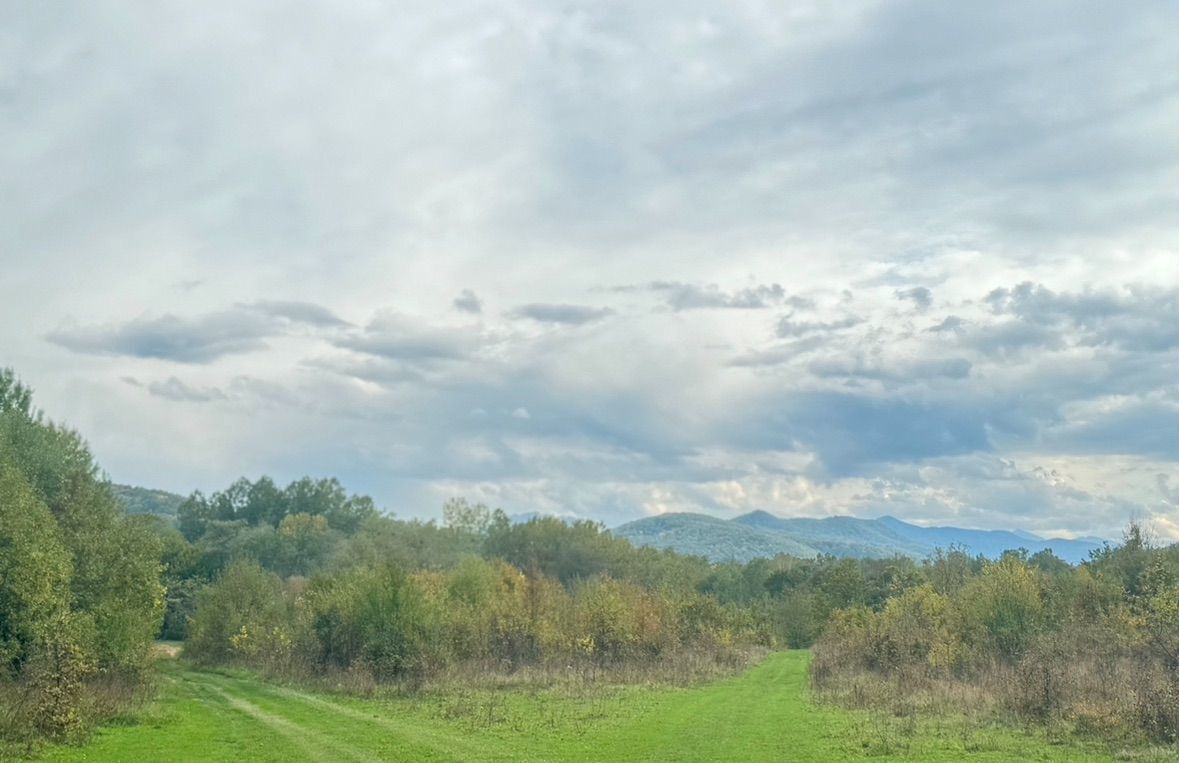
(762, 715)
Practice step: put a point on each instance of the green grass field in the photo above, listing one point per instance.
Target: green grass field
(762, 715)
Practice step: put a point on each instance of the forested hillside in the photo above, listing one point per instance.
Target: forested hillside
(142, 500)
(760, 534)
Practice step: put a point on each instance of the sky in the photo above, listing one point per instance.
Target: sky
(608, 259)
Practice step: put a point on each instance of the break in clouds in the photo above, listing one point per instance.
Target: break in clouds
(606, 260)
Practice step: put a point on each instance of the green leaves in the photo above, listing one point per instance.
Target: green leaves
(35, 570)
(79, 583)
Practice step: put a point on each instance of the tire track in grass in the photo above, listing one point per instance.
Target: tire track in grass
(410, 742)
(443, 741)
(319, 746)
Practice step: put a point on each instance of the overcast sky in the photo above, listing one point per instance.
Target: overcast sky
(607, 259)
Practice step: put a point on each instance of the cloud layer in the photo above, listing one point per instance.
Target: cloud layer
(607, 260)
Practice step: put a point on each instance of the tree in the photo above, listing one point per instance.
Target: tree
(35, 571)
(79, 581)
(14, 396)
(114, 587)
(461, 515)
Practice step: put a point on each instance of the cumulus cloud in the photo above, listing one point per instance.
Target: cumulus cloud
(1136, 318)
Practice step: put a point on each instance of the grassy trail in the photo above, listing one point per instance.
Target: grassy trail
(762, 715)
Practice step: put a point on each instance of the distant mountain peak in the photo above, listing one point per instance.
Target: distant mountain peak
(760, 533)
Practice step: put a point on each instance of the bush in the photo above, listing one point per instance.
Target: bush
(1001, 610)
(1094, 647)
(242, 617)
(373, 618)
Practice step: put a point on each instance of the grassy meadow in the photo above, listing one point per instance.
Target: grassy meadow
(763, 714)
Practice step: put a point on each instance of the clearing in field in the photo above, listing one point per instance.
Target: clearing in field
(762, 715)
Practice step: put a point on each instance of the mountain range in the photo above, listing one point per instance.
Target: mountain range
(761, 534)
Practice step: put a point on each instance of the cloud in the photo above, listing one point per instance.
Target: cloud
(1135, 318)
(467, 302)
(950, 368)
(687, 296)
(951, 323)
(849, 432)
(169, 337)
(1170, 495)
(778, 355)
(401, 338)
(298, 312)
(1009, 338)
(199, 339)
(571, 315)
(1145, 427)
(174, 389)
(920, 296)
(788, 327)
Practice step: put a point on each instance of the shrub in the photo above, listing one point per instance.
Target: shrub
(370, 617)
(243, 616)
(1001, 610)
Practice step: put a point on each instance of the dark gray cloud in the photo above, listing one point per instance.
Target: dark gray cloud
(468, 302)
(920, 296)
(200, 339)
(572, 315)
(850, 432)
(170, 337)
(1145, 427)
(951, 323)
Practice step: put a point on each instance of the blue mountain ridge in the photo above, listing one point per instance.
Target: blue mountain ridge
(761, 534)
